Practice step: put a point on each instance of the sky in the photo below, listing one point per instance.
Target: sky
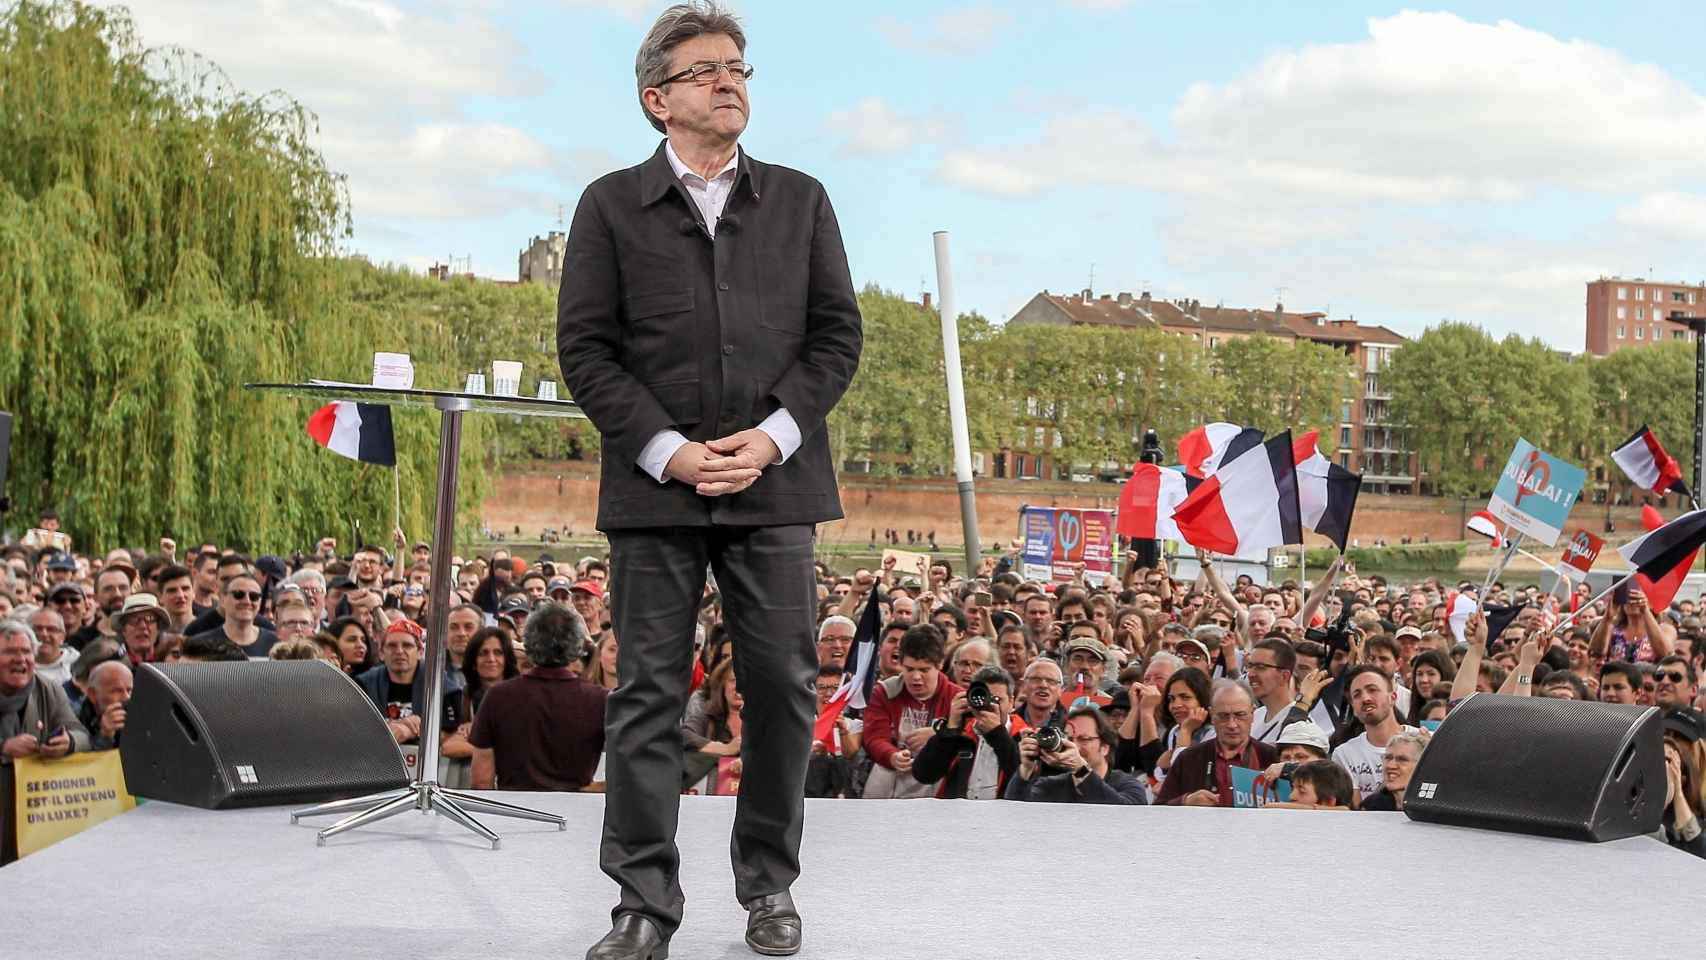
(1479, 163)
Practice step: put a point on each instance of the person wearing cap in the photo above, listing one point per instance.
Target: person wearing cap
(1193, 651)
(138, 624)
(1086, 660)
(69, 599)
(54, 659)
(397, 686)
(588, 599)
(559, 589)
(61, 567)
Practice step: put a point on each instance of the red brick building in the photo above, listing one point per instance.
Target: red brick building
(1367, 442)
(1639, 313)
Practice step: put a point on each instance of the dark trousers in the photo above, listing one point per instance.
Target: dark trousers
(765, 578)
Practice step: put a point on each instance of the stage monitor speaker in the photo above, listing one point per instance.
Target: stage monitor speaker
(1557, 768)
(248, 734)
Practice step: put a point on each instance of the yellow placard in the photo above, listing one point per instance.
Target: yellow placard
(62, 798)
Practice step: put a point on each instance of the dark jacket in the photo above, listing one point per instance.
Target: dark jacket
(376, 682)
(1119, 787)
(948, 754)
(1190, 770)
(659, 326)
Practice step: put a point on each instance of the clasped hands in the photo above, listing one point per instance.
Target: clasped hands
(727, 465)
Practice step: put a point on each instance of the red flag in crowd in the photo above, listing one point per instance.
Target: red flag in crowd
(1147, 502)
(1660, 592)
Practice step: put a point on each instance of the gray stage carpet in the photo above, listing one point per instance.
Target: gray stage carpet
(883, 879)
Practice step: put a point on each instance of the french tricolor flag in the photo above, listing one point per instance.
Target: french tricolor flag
(360, 431)
(1204, 449)
(1661, 551)
(1648, 465)
(1147, 502)
(1248, 506)
(1326, 492)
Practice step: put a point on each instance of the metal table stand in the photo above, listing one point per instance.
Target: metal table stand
(425, 794)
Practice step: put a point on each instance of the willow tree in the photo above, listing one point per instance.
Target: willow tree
(164, 239)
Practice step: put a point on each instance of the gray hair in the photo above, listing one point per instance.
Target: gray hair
(1209, 634)
(835, 620)
(675, 26)
(107, 666)
(1167, 658)
(1224, 685)
(1418, 739)
(10, 626)
(969, 644)
(554, 636)
(307, 576)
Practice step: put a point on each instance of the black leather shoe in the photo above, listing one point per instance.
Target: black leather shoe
(633, 937)
(773, 925)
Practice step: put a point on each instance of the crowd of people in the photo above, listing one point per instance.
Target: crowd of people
(1146, 689)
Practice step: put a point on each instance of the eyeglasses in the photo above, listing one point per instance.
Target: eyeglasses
(1045, 681)
(295, 624)
(706, 72)
(1220, 623)
(254, 595)
(1674, 676)
(1254, 665)
(66, 599)
(1224, 716)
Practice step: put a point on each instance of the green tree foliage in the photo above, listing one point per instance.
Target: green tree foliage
(1277, 384)
(164, 239)
(1654, 386)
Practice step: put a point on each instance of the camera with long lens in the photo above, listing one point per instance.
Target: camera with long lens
(1335, 636)
(978, 697)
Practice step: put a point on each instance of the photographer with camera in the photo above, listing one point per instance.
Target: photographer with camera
(1071, 765)
(972, 752)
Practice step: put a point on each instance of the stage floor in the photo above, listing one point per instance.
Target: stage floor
(942, 880)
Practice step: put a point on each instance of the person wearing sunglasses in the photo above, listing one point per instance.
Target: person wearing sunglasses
(240, 605)
(707, 324)
(1675, 684)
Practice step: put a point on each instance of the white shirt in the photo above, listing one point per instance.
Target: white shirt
(1364, 762)
(710, 196)
(60, 670)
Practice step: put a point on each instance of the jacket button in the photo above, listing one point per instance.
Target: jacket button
(728, 348)
(723, 285)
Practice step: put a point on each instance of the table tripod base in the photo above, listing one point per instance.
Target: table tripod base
(425, 797)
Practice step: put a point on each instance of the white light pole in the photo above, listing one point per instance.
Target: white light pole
(956, 400)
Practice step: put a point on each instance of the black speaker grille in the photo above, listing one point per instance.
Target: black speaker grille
(1539, 765)
(271, 732)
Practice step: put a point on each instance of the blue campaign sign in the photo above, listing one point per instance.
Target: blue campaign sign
(1037, 561)
(1246, 794)
(1535, 493)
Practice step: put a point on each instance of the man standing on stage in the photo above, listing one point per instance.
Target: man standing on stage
(707, 324)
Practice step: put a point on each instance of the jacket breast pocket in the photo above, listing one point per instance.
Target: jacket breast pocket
(783, 283)
(658, 334)
(679, 398)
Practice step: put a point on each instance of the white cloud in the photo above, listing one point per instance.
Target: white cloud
(389, 83)
(961, 31)
(871, 126)
(1323, 168)
(1429, 109)
(1670, 213)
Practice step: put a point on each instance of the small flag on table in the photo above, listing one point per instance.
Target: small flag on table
(360, 431)
(1648, 465)
(1661, 551)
